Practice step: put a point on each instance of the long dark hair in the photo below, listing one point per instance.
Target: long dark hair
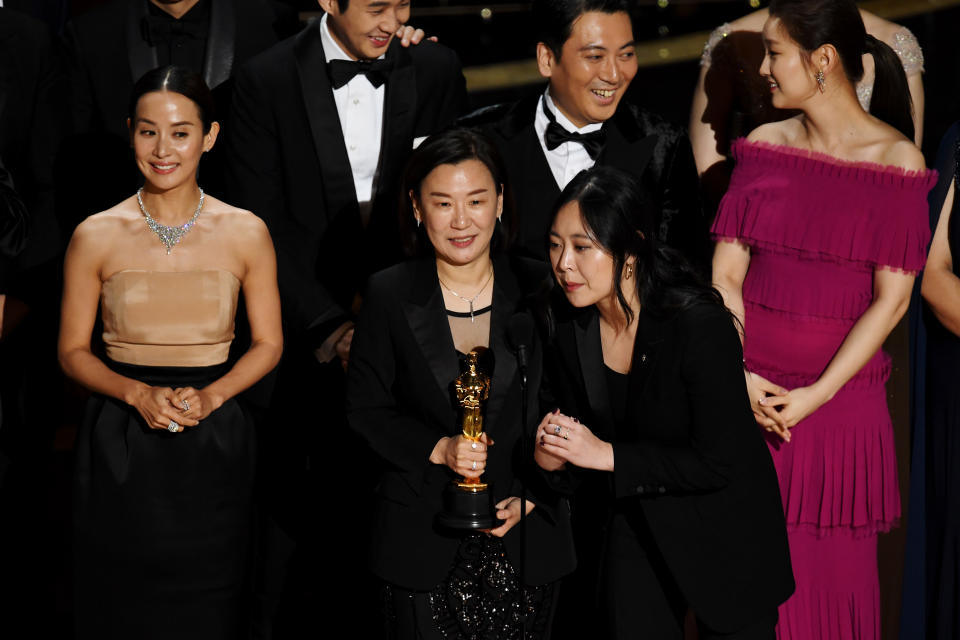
(619, 216)
(452, 146)
(814, 23)
(178, 80)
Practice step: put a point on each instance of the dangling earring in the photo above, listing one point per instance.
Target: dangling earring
(629, 272)
(418, 221)
(820, 83)
(498, 218)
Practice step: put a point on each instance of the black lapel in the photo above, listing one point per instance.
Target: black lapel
(427, 317)
(399, 106)
(535, 189)
(626, 147)
(141, 56)
(506, 293)
(218, 61)
(339, 191)
(651, 335)
(586, 329)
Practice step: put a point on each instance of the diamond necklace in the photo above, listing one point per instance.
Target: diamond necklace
(469, 301)
(169, 236)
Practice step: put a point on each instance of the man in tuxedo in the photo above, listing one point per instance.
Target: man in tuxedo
(113, 45)
(32, 115)
(585, 50)
(321, 127)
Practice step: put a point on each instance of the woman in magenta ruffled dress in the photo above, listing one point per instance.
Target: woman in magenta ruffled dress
(821, 233)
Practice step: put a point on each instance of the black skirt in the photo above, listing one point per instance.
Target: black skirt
(162, 520)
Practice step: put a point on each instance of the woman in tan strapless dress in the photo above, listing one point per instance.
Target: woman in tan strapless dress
(165, 454)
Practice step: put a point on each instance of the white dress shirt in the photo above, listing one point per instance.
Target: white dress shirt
(360, 107)
(570, 158)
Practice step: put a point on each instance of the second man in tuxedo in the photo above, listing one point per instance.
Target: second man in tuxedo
(321, 127)
(585, 50)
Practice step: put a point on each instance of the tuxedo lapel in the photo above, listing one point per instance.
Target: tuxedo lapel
(535, 189)
(646, 350)
(218, 62)
(140, 55)
(625, 147)
(505, 295)
(339, 190)
(586, 329)
(427, 317)
(400, 102)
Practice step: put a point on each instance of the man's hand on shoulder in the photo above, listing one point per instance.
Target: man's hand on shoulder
(409, 35)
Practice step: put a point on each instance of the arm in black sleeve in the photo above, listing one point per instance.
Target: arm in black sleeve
(256, 181)
(721, 424)
(14, 219)
(685, 228)
(372, 409)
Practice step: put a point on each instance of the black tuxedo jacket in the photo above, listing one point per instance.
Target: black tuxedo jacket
(109, 53)
(689, 457)
(400, 399)
(32, 123)
(288, 164)
(637, 141)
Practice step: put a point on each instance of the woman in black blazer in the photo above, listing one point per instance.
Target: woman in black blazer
(418, 319)
(675, 481)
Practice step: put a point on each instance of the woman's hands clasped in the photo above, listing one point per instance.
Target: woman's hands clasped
(161, 406)
(562, 439)
(462, 455)
(778, 410)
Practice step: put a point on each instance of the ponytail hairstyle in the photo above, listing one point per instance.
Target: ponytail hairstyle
(814, 23)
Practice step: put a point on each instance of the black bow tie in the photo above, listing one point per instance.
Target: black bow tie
(343, 71)
(556, 135)
(160, 30)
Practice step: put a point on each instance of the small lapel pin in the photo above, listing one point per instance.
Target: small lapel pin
(643, 357)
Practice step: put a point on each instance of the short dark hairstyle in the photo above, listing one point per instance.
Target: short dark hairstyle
(178, 80)
(620, 216)
(814, 23)
(554, 18)
(452, 146)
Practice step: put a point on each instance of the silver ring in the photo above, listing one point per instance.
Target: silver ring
(186, 405)
(473, 446)
(557, 429)
(173, 427)
(474, 467)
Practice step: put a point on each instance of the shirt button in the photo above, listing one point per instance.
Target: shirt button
(356, 101)
(640, 491)
(353, 147)
(662, 490)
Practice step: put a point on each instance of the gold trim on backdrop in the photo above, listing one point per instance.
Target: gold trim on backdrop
(683, 48)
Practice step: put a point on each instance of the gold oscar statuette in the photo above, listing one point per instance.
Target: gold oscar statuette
(468, 502)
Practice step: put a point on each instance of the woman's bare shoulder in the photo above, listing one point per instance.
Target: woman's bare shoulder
(783, 132)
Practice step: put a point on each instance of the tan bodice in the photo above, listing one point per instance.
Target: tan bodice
(169, 319)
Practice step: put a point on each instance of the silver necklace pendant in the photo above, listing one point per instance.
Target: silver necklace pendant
(169, 236)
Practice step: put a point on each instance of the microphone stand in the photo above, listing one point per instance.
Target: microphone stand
(522, 363)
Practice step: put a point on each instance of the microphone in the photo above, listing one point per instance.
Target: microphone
(519, 335)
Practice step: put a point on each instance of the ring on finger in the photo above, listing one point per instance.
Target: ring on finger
(186, 405)
(173, 427)
(566, 435)
(557, 429)
(473, 467)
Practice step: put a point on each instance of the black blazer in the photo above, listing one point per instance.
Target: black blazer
(288, 164)
(637, 141)
(689, 457)
(399, 398)
(33, 118)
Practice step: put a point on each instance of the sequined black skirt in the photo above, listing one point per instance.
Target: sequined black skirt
(481, 599)
(162, 519)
